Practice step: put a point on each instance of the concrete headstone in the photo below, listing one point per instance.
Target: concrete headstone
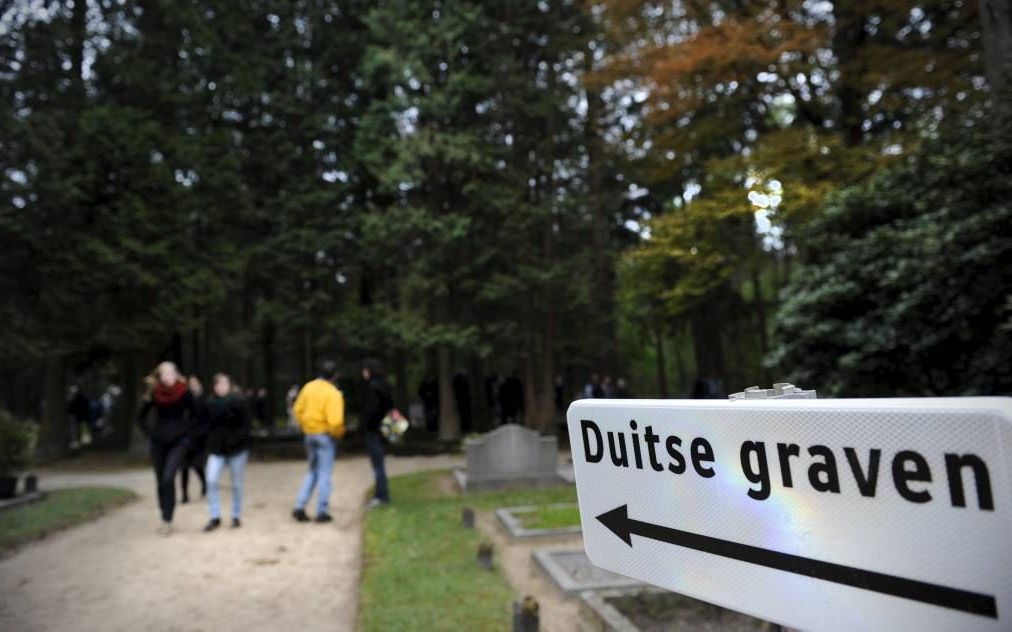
(510, 456)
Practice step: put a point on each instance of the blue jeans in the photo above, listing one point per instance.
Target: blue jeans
(237, 467)
(374, 446)
(320, 449)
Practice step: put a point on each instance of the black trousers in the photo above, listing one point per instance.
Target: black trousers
(166, 458)
(374, 446)
(195, 459)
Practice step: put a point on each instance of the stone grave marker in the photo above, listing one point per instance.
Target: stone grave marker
(510, 456)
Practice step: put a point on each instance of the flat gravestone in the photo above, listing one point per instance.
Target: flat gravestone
(509, 456)
(511, 520)
(573, 572)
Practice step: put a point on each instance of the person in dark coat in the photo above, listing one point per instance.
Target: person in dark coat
(511, 399)
(428, 391)
(378, 403)
(172, 402)
(196, 452)
(228, 427)
(79, 412)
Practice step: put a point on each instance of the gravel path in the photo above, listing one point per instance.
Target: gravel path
(272, 574)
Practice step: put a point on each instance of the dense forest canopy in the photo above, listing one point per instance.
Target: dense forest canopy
(696, 196)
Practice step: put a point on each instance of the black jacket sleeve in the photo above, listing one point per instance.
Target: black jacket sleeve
(377, 404)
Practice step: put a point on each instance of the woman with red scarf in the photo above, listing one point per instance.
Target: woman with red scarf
(174, 412)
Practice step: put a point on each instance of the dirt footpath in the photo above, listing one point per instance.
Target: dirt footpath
(272, 574)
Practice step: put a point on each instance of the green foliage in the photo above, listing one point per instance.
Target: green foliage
(551, 517)
(62, 508)
(251, 186)
(17, 443)
(905, 289)
(420, 569)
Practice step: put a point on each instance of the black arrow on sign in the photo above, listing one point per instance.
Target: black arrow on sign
(619, 522)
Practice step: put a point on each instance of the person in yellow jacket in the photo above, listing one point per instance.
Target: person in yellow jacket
(319, 411)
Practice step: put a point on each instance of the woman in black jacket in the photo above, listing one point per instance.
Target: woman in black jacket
(228, 426)
(378, 402)
(172, 401)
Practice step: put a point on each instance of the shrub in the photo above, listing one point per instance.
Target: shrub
(17, 443)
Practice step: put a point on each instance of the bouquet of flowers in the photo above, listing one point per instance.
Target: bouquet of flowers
(394, 425)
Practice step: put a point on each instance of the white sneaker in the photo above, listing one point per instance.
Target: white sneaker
(376, 502)
(165, 530)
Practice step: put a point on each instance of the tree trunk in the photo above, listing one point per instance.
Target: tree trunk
(400, 371)
(130, 375)
(530, 385)
(479, 409)
(709, 351)
(544, 413)
(53, 436)
(449, 420)
(762, 324)
(269, 383)
(678, 339)
(662, 370)
(604, 282)
(996, 28)
(848, 36)
(306, 366)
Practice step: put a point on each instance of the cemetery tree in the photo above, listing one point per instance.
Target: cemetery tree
(904, 290)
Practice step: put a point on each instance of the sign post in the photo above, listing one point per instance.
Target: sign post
(815, 514)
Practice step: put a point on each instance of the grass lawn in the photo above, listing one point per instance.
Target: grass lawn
(60, 509)
(551, 517)
(420, 569)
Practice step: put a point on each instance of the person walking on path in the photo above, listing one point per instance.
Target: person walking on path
(172, 401)
(228, 426)
(378, 403)
(319, 409)
(80, 415)
(196, 451)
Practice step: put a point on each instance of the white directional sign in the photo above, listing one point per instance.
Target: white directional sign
(884, 514)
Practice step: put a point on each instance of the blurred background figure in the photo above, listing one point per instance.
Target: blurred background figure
(82, 416)
(290, 396)
(258, 402)
(196, 450)
(622, 389)
(428, 391)
(607, 388)
(511, 399)
(170, 398)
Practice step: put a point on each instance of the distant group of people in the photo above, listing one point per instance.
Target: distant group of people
(88, 418)
(209, 433)
(504, 396)
(598, 388)
(198, 431)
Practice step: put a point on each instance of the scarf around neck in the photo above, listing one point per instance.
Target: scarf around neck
(167, 395)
